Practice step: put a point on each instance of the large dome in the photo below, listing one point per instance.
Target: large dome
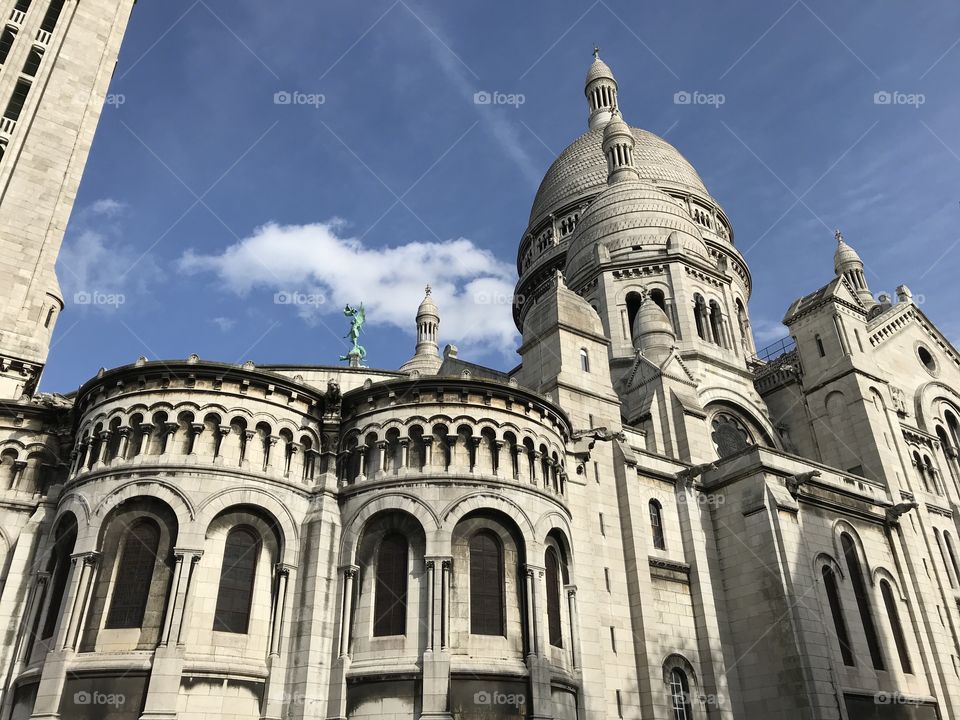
(581, 170)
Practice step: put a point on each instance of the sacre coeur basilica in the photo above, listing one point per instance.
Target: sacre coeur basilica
(647, 518)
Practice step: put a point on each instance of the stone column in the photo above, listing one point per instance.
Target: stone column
(195, 430)
(452, 451)
(535, 467)
(270, 453)
(404, 453)
(222, 432)
(104, 437)
(346, 610)
(497, 451)
(446, 571)
(532, 634)
(475, 452)
(124, 446)
(427, 451)
(515, 459)
(164, 685)
(362, 465)
(274, 696)
(436, 658)
(574, 626)
(24, 640)
(382, 447)
(54, 674)
(169, 430)
(146, 431)
(18, 468)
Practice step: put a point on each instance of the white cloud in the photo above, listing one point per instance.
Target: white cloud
(96, 266)
(224, 323)
(318, 269)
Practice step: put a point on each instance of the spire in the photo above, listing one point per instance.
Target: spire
(426, 358)
(618, 145)
(601, 91)
(847, 264)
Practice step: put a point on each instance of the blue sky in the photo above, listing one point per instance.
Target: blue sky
(206, 204)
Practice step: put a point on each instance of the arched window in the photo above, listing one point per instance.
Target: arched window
(584, 360)
(743, 325)
(950, 551)
(237, 576)
(863, 600)
(823, 353)
(6, 42)
(921, 471)
(890, 603)
(555, 627)
(716, 324)
(656, 525)
(131, 589)
(699, 315)
(390, 595)
(660, 300)
(680, 695)
(943, 557)
(486, 585)
(836, 610)
(634, 300)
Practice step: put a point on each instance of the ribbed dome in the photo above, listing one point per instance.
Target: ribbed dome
(581, 170)
(651, 319)
(599, 69)
(844, 257)
(633, 217)
(428, 307)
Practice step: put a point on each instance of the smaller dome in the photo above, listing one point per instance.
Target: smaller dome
(631, 217)
(616, 127)
(428, 306)
(651, 320)
(653, 334)
(845, 257)
(599, 70)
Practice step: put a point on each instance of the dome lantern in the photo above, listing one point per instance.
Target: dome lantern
(618, 146)
(601, 91)
(426, 358)
(847, 264)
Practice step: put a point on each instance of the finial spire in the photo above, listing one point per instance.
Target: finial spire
(596, 51)
(428, 289)
(838, 235)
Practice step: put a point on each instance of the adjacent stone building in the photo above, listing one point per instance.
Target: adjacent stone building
(646, 518)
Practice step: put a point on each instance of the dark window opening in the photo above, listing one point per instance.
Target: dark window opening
(680, 695)
(6, 42)
(17, 100)
(52, 15)
(890, 603)
(836, 610)
(656, 525)
(390, 599)
(32, 64)
(131, 590)
(237, 575)
(554, 625)
(863, 601)
(486, 585)
(823, 353)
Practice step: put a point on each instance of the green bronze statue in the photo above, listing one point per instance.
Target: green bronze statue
(357, 317)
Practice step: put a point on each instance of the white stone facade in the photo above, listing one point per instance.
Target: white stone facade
(643, 520)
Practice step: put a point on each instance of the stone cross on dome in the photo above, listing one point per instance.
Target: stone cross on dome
(596, 52)
(838, 235)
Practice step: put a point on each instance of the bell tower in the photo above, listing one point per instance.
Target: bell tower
(56, 61)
